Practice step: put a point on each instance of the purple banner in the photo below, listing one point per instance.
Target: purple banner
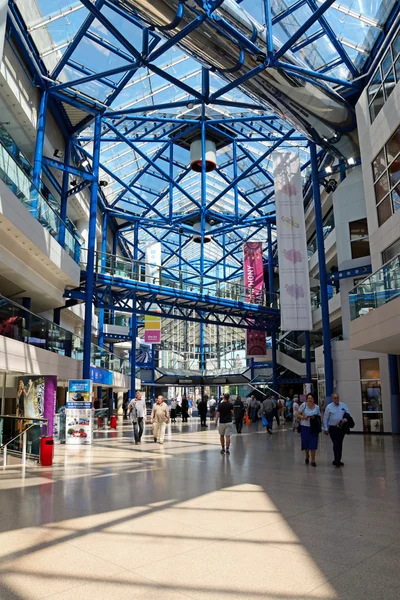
(50, 393)
(253, 268)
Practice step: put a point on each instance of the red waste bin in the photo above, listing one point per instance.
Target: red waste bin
(46, 451)
(113, 422)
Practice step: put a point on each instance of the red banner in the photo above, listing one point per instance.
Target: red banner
(253, 268)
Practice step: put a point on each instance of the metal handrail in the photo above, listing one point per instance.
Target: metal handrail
(193, 279)
(5, 446)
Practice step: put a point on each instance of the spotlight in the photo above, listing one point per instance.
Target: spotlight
(58, 153)
(73, 182)
(180, 229)
(328, 170)
(190, 104)
(351, 161)
(103, 183)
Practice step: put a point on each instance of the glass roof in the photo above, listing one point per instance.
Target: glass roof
(337, 44)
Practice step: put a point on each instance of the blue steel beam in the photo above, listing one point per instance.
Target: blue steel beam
(326, 328)
(87, 336)
(316, 14)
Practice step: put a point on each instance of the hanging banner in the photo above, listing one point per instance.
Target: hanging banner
(294, 278)
(253, 269)
(152, 324)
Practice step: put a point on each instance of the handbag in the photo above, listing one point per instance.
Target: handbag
(299, 428)
(316, 425)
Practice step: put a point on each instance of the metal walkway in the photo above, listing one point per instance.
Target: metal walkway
(122, 285)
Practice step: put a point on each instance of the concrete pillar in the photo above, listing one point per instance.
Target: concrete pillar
(120, 403)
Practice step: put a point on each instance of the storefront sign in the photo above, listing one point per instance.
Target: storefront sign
(294, 277)
(253, 268)
(101, 376)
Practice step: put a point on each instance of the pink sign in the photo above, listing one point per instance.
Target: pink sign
(152, 336)
(256, 341)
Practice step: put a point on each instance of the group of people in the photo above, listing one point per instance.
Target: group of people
(307, 420)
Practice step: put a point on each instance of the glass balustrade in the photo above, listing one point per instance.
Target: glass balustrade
(12, 428)
(18, 179)
(20, 324)
(316, 300)
(328, 225)
(376, 290)
(125, 268)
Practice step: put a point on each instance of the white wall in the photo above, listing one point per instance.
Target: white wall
(30, 257)
(373, 137)
(346, 369)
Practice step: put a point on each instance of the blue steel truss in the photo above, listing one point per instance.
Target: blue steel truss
(129, 93)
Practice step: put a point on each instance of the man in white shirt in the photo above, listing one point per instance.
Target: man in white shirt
(333, 425)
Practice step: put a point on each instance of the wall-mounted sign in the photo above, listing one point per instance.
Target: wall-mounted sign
(101, 376)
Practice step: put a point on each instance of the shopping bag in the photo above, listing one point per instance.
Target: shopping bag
(264, 422)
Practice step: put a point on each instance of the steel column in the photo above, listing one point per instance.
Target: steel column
(271, 299)
(132, 392)
(64, 195)
(308, 356)
(103, 262)
(87, 336)
(38, 156)
(319, 229)
(203, 226)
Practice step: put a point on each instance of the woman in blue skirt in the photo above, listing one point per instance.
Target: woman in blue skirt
(309, 416)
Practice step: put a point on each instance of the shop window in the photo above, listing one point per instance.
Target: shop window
(390, 252)
(359, 240)
(386, 172)
(371, 395)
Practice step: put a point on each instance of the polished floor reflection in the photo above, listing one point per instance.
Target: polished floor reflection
(179, 521)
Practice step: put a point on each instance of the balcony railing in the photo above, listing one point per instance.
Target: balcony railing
(376, 290)
(187, 281)
(18, 179)
(18, 323)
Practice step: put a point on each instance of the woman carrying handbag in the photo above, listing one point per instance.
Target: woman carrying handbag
(309, 417)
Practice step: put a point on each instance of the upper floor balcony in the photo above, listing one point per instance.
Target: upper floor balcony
(375, 310)
(16, 172)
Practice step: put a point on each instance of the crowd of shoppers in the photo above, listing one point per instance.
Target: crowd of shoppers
(305, 417)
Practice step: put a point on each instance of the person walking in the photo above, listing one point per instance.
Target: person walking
(335, 420)
(212, 405)
(253, 408)
(159, 419)
(276, 410)
(267, 411)
(185, 409)
(137, 414)
(224, 415)
(295, 408)
(239, 411)
(202, 408)
(309, 416)
(173, 410)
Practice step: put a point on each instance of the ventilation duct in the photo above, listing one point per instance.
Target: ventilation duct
(313, 109)
(197, 237)
(196, 158)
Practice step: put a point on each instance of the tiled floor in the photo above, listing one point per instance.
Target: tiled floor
(179, 521)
